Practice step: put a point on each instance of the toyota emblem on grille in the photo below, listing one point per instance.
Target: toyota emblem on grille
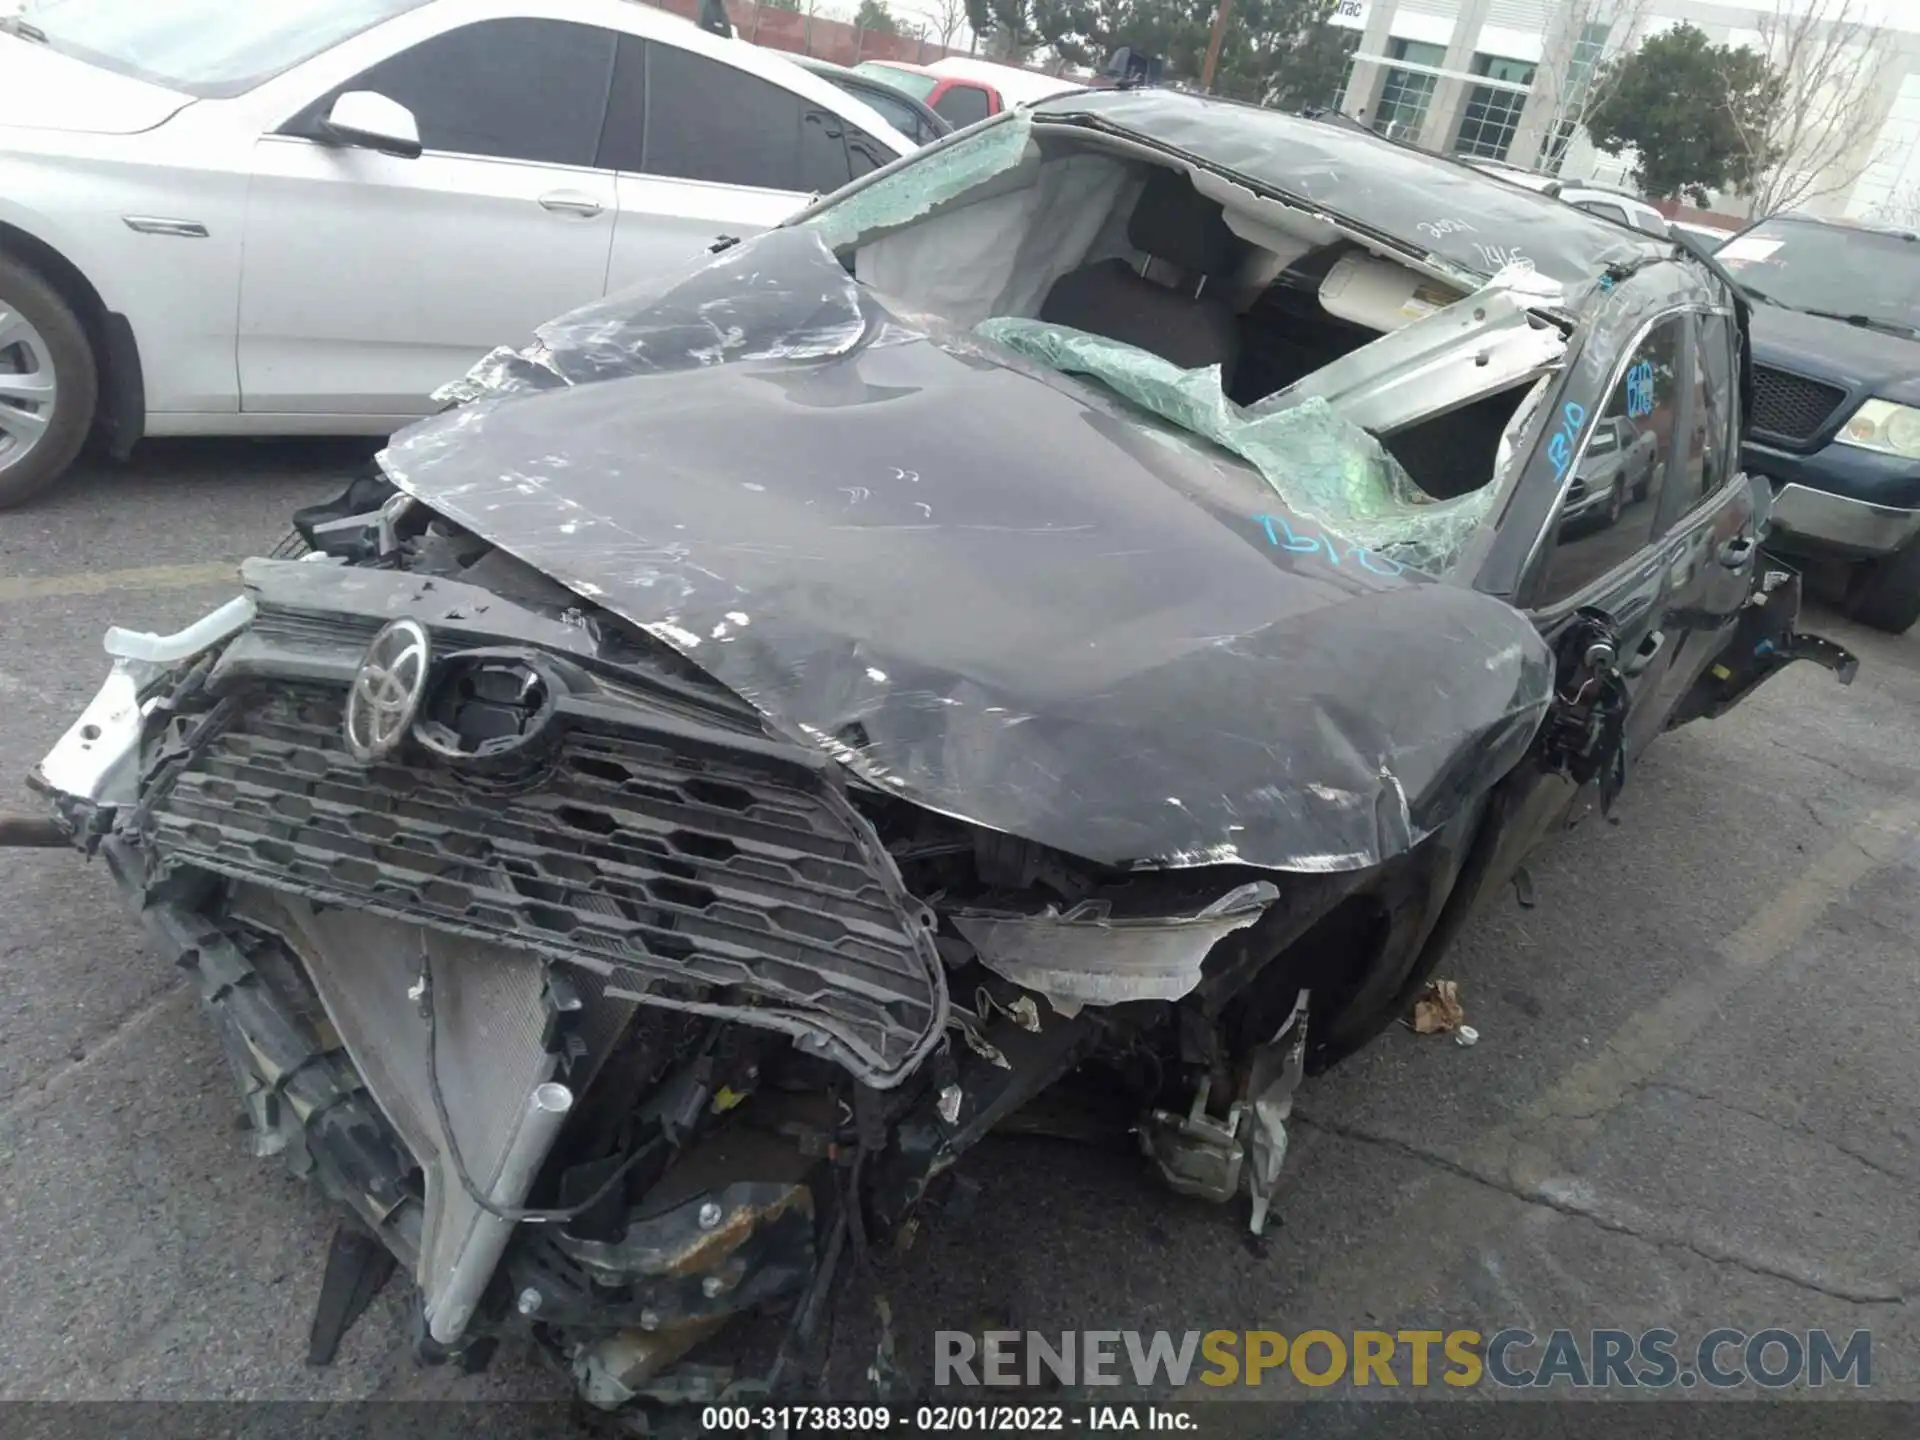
(386, 690)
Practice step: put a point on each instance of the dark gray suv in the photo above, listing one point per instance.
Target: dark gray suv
(1836, 400)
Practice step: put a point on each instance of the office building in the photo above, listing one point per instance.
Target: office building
(1497, 79)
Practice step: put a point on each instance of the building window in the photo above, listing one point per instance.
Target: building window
(1405, 94)
(1349, 43)
(1493, 114)
(1583, 61)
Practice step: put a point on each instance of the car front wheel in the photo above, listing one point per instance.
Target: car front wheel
(48, 384)
(1886, 593)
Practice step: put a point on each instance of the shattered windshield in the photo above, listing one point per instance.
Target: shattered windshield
(938, 174)
(1319, 464)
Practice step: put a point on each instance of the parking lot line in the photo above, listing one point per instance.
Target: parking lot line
(100, 582)
(1400, 1270)
(1641, 1048)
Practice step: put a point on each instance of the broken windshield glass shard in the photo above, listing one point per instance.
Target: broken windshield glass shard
(1321, 464)
(914, 190)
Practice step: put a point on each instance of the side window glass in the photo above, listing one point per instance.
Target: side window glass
(824, 166)
(1717, 345)
(517, 89)
(893, 112)
(864, 153)
(1613, 491)
(709, 121)
(962, 105)
(1697, 467)
(1600, 207)
(622, 139)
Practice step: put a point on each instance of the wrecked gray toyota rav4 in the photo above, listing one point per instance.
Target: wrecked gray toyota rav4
(1095, 604)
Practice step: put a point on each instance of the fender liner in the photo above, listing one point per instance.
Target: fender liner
(123, 386)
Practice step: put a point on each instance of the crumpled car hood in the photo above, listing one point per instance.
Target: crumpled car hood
(991, 590)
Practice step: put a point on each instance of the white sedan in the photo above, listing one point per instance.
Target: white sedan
(300, 218)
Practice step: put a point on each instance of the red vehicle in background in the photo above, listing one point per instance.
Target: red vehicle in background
(962, 90)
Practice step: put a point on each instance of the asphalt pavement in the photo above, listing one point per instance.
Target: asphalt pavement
(1694, 1103)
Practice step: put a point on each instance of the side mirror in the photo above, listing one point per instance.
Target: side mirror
(367, 121)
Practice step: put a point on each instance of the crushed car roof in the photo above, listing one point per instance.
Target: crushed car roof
(1467, 219)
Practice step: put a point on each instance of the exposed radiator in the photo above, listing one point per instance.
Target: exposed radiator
(489, 1016)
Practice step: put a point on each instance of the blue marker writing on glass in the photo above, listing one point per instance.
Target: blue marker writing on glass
(1560, 448)
(1640, 390)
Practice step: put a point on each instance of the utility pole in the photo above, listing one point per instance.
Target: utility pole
(1213, 44)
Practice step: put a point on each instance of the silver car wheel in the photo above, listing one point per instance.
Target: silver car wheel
(28, 388)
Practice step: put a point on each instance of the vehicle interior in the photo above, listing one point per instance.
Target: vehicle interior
(1032, 223)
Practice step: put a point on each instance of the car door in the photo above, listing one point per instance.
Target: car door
(1640, 460)
(702, 149)
(1646, 579)
(1709, 513)
(370, 279)
(1673, 575)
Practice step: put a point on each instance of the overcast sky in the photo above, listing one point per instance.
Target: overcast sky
(1898, 14)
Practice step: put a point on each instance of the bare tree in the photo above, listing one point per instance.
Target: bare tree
(946, 19)
(1831, 62)
(1573, 78)
(1901, 208)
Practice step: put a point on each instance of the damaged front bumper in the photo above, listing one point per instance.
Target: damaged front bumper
(96, 763)
(1088, 955)
(623, 842)
(612, 827)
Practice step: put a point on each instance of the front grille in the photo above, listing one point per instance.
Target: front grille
(704, 879)
(1791, 406)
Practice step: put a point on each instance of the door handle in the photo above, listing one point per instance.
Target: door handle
(571, 202)
(1736, 552)
(1644, 656)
